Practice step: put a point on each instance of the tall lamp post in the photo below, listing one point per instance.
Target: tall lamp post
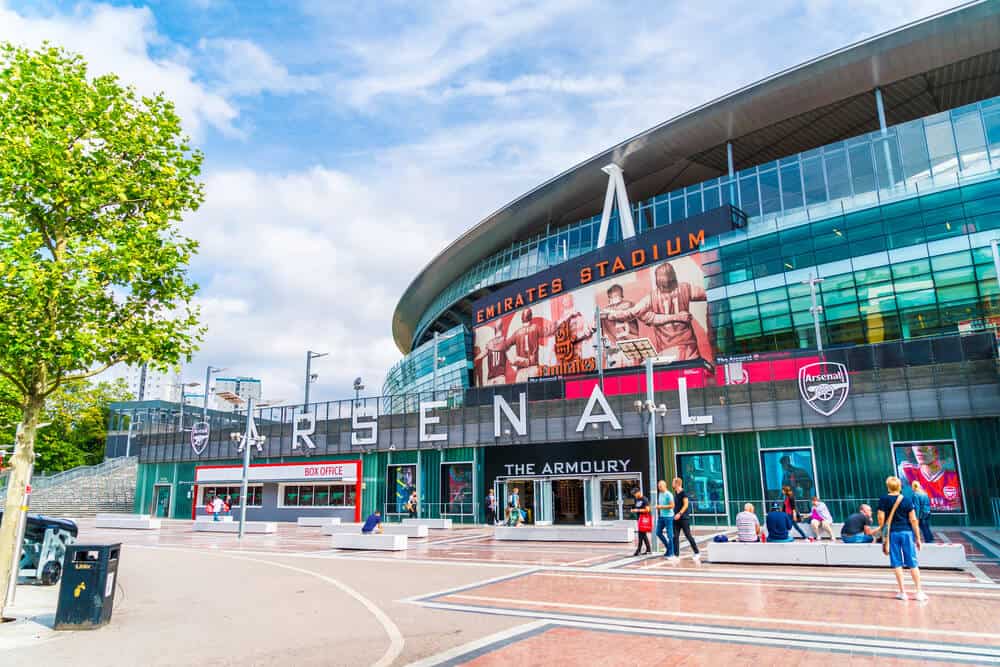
(816, 309)
(249, 438)
(649, 406)
(183, 386)
(310, 376)
(209, 372)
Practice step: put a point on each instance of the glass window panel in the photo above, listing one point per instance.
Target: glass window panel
(845, 311)
(749, 199)
(837, 174)
(887, 166)
(677, 209)
(991, 121)
(913, 150)
(951, 261)
(900, 238)
(694, 203)
(862, 171)
(941, 146)
(791, 187)
(322, 496)
(350, 496)
(337, 495)
(815, 183)
(971, 141)
(305, 496)
(917, 267)
(770, 193)
(712, 199)
(291, 496)
(915, 299)
(662, 211)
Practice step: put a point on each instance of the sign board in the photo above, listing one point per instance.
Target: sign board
(824, 386)
(324, 471)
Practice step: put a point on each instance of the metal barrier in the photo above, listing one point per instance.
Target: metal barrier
(465, 513)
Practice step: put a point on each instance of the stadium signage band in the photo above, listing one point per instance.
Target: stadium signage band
(675, 240)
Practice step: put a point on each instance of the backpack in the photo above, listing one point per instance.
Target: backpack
(720, 538)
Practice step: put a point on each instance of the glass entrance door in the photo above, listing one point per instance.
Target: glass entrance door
(611, 502)
(526, 497)
(568, 504)
(161, 501)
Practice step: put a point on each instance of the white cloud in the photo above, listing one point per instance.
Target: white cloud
(243, 68)
(120, 40)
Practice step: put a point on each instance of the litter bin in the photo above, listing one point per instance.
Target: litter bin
(87, 593)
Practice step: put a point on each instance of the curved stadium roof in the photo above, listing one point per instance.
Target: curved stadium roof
(938, 63)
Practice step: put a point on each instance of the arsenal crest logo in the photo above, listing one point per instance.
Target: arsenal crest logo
(824, 386)
(199, 437)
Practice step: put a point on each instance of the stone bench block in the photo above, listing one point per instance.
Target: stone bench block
(128, 521)
(318, 521)
(209, 517)
(945, 556)
(433, 524)
(341, 528)
(234, 527)
(371, 542)
(401, 529)
(566, 533)
(789, 553)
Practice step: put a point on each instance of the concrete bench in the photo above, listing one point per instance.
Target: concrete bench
(433, 524)
(947, 556)
(341, 528)
(566, 533)
(234, 527)
(318, 521)
(128, 521)
(209, 517)
(807, 528)
(403, 529)
(370, 542)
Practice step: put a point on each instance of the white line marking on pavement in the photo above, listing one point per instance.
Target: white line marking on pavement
(887, 585)
(458, 651)
(391, 629)
(477, 584)
(901, 629)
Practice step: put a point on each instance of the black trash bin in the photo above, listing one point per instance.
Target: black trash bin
(87, 593)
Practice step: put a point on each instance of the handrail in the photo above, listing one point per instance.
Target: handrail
(46, 481)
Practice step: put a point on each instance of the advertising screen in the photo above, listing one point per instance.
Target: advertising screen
(402, 481)
(935, 466)
(788, 467)
(703, 481)
(660, 308)
(456, 491)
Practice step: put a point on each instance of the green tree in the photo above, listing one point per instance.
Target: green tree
(77, 413)
(93, 270)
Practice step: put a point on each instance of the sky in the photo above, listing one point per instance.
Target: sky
(347, 143)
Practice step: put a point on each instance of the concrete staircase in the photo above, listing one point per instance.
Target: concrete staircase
(85, 491)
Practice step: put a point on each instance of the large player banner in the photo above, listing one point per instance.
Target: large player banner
(661, 306)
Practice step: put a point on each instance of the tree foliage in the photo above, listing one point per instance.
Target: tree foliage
(93, 270)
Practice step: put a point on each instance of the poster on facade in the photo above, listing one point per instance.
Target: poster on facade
(456, 480)
(704, 482)
(793, 468)
(662, 307)
(935, 466)
(402, 481)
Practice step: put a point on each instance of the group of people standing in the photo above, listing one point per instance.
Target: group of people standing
(673, 517)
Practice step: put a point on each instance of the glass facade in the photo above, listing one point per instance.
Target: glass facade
(921, 156)
(415, 372)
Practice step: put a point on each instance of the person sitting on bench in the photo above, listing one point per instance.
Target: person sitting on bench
(857, 527)
(821, 519)
(778, 524)
(373, 521)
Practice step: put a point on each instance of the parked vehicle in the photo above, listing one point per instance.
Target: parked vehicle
(43, 548)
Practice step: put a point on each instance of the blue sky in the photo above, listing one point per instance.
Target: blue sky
(346, 143)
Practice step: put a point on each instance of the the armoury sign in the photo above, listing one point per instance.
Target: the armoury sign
(824, 386)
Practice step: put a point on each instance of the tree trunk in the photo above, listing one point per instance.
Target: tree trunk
(17, 482)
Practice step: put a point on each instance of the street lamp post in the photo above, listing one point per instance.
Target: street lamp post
(816, 309)
(183, 386)
(132, 423)
(208, 380)
(310, 377)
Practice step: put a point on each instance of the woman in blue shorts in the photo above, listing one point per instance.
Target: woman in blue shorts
(898, 518)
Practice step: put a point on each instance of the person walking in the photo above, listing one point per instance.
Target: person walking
(665, 519)
(922, 506)
(491, 509)
(217, 506)
(901, 539)
(682, 520)
(411, 504)
(791, 511)
(644, 519)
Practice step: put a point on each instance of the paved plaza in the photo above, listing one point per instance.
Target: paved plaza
(461, 597)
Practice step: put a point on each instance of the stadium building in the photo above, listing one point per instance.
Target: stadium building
(794, 284)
